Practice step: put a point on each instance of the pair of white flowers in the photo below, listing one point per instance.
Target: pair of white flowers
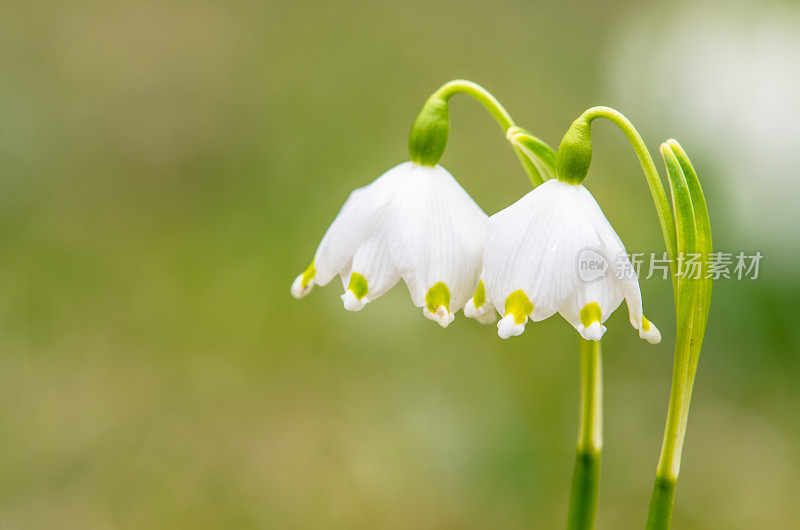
(417, 223)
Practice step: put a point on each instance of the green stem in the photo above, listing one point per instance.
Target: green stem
(501, 116)
(483, 96)
(650, 172)
(660, 514)
(669, 461)
(586, 475)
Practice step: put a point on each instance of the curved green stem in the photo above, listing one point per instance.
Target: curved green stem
(429, 135)
(650, 172)
(586, 474)
(483, 96)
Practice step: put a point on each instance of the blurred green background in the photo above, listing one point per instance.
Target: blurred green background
(168, 167)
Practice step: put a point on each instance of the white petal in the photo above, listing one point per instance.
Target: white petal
(603, 290)
(372, 263)
(435, 234)
(652, 335)
(354, 223)
(533, 246)
(624, 273)
(615, 251)
(485, 314)
(351, 301)
(299, 290)
(593, 332)
(470, 311)
(507, 327)
(509, 259)
(442, 315)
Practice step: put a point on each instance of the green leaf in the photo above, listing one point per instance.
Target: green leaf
(535, 154)
(684, 216)
(534, 174)
(686, 300)
(703, 247)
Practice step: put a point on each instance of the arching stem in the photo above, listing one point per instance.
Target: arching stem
(483, 96)
(437, 108)
(651, 175)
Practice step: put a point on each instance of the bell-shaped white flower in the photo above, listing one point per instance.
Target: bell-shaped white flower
(413, 222)
(554, 251)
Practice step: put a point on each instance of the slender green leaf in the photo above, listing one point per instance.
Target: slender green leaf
(534, 174)
(684, 224)
(536, 150)
(703, 248)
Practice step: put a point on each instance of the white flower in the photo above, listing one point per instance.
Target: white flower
(413, 222)
(554, 250)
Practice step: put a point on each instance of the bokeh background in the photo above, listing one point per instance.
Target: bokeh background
(167, 167)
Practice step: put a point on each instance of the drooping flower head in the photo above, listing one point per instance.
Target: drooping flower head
(554, 251)
(413, 222)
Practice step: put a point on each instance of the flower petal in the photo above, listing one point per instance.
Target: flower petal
(507, 327)
(533, 246)
(517, 309)
(649, 332)
(435, 234)
(437, 304)
(303, 284)
(624, 273)
(479, 307)
(354, 223)
(370, 276)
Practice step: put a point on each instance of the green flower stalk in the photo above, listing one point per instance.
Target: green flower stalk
(428, 137)
(686, 230)
(586, 475)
